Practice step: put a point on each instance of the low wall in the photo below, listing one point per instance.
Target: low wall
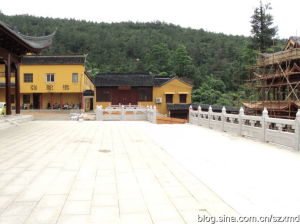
(126, 113)
(280, 131)
(170, 120)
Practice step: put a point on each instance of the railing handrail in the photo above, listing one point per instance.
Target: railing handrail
(281, 131)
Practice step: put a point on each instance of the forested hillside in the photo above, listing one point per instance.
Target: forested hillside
(217, 63)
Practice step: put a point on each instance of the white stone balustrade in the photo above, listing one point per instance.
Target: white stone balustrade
(126, 113)
(274, 130)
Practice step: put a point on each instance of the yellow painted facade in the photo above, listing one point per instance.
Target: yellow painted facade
(63, 90)
(2, 81)
(174, 86)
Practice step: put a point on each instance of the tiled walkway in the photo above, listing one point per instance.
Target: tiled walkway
(95, 172)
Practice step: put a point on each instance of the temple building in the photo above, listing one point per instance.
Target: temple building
(13, 45)
(56, 82)
(142, 89)
(276, 77)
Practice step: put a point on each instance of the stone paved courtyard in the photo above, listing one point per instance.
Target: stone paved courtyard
(96, 172)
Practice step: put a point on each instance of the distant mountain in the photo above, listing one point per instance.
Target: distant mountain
(132, 47)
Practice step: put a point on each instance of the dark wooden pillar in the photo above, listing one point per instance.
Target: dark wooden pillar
(82, 103)
(8, 85)
(17, 88)
(61, 101)
(41, 101)
(51, 100)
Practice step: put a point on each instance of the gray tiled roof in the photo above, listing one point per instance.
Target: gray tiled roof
(54, 60)
(34, 43)
(129, 79)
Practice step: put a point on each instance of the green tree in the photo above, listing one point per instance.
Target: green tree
(262, 30)
(158, 60)
(182, 62)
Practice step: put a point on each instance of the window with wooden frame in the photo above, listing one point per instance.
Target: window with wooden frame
(182, 98)
(169, 98)
(12, 98)
(26, 99)
(50, 77)
(103, 95)
(28, 77)
(145, 94)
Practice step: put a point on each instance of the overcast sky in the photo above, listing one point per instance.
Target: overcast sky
(224, 16)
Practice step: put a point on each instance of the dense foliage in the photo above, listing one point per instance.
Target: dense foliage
(217, 63)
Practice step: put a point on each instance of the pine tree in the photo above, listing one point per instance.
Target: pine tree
(262, 29)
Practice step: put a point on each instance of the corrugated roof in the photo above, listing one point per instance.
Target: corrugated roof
(54, 60)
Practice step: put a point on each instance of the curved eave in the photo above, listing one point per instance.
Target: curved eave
(33, 44)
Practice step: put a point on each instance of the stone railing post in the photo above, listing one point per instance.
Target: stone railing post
(150, 113)
(241, 114)
(147, 113)
(154, 115)
(223, 118)
(199, 115)
(297, 131)
(190, 114)
(209, 115)
(134, 113)
(264, 125)
(122, 113)
(99, 113)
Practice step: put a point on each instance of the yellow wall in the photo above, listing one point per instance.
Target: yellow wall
(63, 78)
(2, 74)
(62, 86)
(175, 86)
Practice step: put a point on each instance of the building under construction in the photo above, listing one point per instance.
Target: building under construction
(276, 77)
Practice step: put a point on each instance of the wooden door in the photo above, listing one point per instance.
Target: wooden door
(124, 97)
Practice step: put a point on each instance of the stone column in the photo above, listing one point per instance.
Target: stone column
(99, 113)
(264, 125)
(154, 115)
(241, 114)
(190, 114)
(223, 118)
(209, 115)
(199, 114)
